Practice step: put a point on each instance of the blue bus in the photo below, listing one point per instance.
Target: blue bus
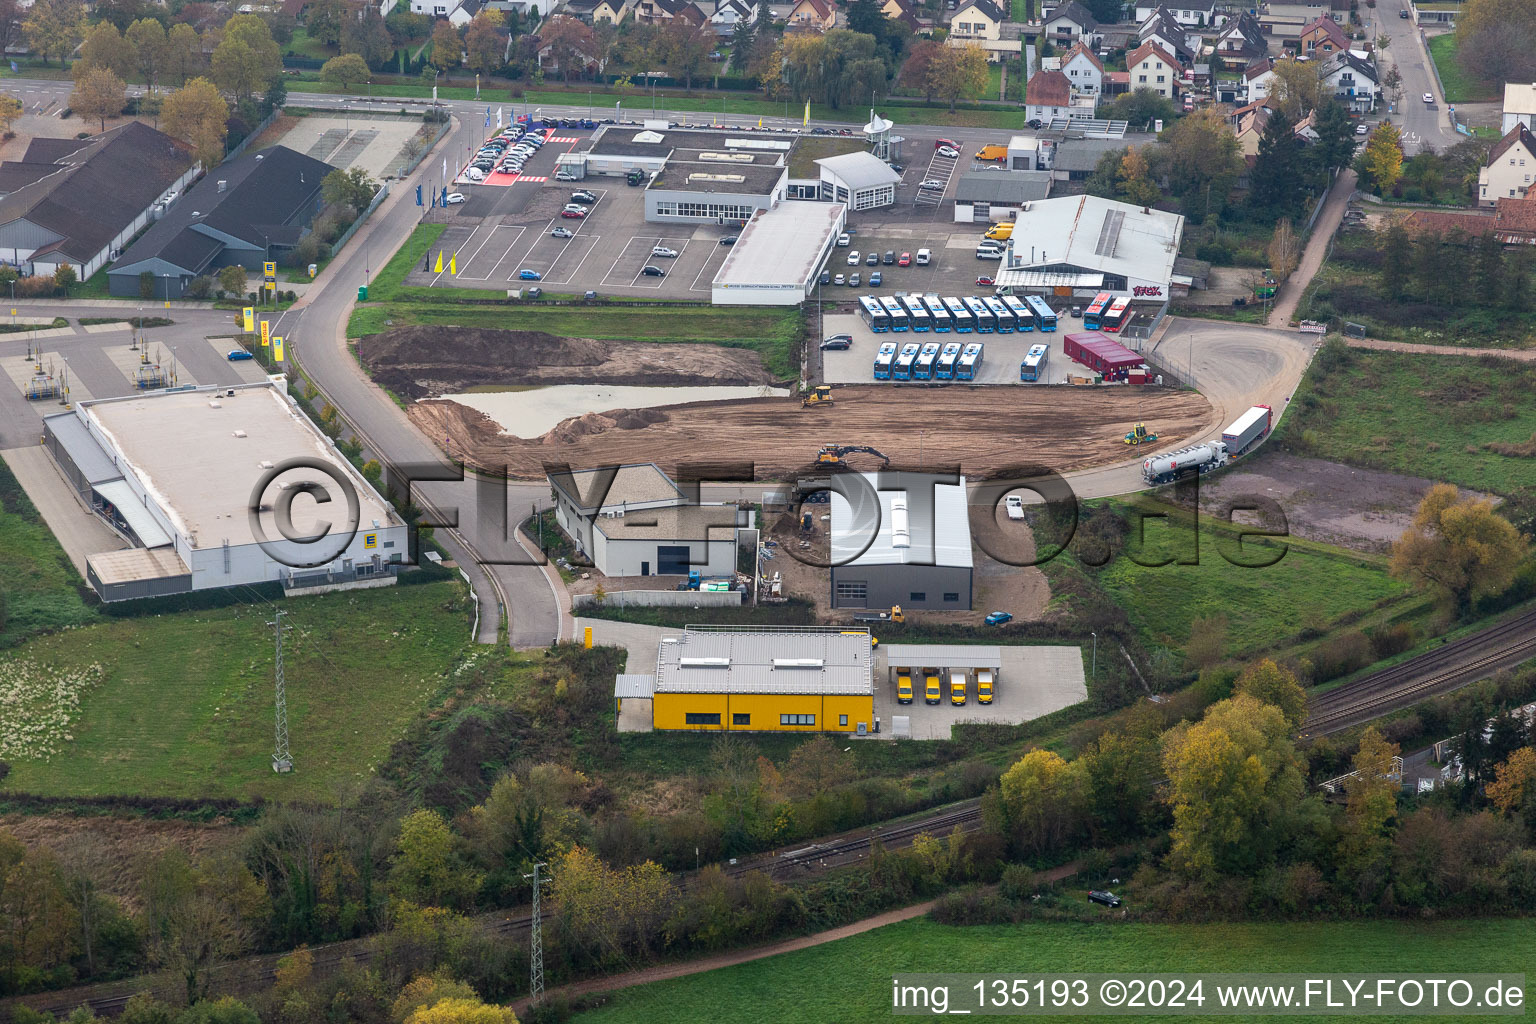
(898, 314)
(945, 370)
(903, 367)
(986, 323)
(1023, 316)
(970, 362)
(1045, 319)
(938, 314)
(917, 312)
(1000, 312)
(884, 359)
(1034, 363)
(874, 315)
(965, 323)
(926, 359)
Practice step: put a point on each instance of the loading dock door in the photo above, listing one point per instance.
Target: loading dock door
(672, 560)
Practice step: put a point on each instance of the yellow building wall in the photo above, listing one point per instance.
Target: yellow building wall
(763, 711)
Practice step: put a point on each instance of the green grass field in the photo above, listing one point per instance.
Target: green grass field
(1431, 416)
(1313, 585)
(1460, 87)
(185, 708)
(850, 980)
(40, 584)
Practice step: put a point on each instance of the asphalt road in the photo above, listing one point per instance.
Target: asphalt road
(1421, 125)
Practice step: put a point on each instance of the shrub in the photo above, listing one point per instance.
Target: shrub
(1390, 640)
(199, 287)
(36, 287)
(147, 285)
(1340, 656)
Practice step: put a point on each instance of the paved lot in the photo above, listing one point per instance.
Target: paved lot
(372, 143)
(1000, 363)
(1031, 682)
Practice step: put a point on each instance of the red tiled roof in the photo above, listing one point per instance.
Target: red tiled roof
(1515, 220)
(1077, 48)
(1146, 50)
(1519, 133)
(1048, 89)
(1329, 27)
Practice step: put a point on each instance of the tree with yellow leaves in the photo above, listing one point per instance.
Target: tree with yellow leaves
(1042, 795)
(612, 910)
(1382, 160)
(1460, 546)
(1365, 848)
(462, 1011)
(1514, 784)
(1268, 682)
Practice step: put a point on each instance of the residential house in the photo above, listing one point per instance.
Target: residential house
(75, 202)
(812, 15)
(1321, 37)
(900, 10)
(1193, 13)
(664, 12)
(1249, 121)
(1047, 95)
(1164, 30)
(1117, 83)
(1153, 67)
(1068, 23)
(730, 13)
(611, 11)
(1519, 105)
(1259, 79)
(1353, 81)
(1513, 221)
(975, 21)
(246, 211)
(1240, 42)
(1083, 69)
(1511, 163)
(462, 14)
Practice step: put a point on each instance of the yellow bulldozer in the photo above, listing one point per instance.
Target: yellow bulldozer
(821, 394)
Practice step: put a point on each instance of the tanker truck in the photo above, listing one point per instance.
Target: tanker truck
(1199, 458)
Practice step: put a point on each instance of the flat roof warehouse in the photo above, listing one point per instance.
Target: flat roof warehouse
(702, 660)
(781, 248)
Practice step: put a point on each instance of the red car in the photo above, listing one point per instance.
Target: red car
(951, 143)
(985, 282)
(572, 213)
(905, 260)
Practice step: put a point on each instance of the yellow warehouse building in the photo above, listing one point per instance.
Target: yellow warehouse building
(760, 680)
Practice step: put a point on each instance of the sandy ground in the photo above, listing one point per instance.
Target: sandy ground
(533, 413)
(1063, 430)
(1363, 509)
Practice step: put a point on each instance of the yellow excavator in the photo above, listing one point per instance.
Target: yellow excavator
(832, 454)
(821, 394)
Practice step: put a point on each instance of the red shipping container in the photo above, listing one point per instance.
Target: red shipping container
(1101, 353)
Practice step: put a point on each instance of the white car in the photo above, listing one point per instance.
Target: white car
(1429, 97)
(934, 183)
(946, 151)
(664, 252)
(853, 258)
(989, 254)
(1015, 506)
(1361, 129)
(474, 174)
(843, 239)
(454, 198)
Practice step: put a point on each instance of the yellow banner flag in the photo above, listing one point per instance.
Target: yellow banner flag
(453, 266)
(277, 350)
(807, 119)
(439, 268)
(266, 333)
(249, 313)
(759, 122)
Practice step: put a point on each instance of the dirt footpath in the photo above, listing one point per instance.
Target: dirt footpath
(980, 430)
(419, 362)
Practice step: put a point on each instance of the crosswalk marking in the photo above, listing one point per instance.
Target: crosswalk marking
(531, 177)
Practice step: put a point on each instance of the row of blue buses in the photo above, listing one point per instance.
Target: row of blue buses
(933, 360)
(922, 314)
(1033, 366)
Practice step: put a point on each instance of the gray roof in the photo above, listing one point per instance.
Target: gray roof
(1076, 12)
(987, 7)
(614, 487)
(728, 179)
(1084, 154)
(1003, 187)
(630, 684)
(937, 522)
(766, 661)
(918, 656)
(860, 170)
(84, 451)
(1338, 61)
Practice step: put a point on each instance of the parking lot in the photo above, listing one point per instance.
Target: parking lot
(1031, 682)
(1000, 363)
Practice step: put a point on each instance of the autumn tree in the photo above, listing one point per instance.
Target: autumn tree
(447, 47)
(351, 187)
(609, 910)
(816, 766)
(368, 37)
(1365, 846)
(1460, 546)
(685, 49)
(148, 39)
(531, 814)
(484, 44)
(104, 47)
(1514, 784)
(247, 58)
(233, 279)
(427, 868)
(1496, 40)
(10, 110)
(1120, 776)
(1298, 87)
(1135, 184)
(10, 23)
(1278, 687)
(183, 53)
(1284, 250)
(197, 915)
(196, 114)
(37, 924)
(568, 39)
(1202, 153)
(917, 70)
(1382, 162)
(53, 27)
(99, 94)
(958, 73)
(1042, 795)
(462, 1011)
(346, 71)
(1233, 783)
(323, 19)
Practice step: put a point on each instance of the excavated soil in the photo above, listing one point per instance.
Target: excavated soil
(427, 361)
(981, 430)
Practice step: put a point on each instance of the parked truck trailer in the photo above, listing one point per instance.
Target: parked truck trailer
(1247, 430)
(1199, 458)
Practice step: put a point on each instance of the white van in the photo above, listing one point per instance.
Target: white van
(923, 256)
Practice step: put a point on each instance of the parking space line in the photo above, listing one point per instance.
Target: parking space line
(568, 280)
(508, 251)
(455, 254)
(705, 268)
(472, 255)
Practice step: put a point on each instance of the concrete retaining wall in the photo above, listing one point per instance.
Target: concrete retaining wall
(661, 599)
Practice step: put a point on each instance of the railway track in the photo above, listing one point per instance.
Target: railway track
(1445, 668)
(257, 973)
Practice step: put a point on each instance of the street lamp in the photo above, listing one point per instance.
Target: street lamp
(1094, 672)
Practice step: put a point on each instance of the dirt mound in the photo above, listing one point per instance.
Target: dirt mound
(577, 427)
(427, 361)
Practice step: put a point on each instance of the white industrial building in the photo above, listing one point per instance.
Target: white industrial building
(861, 180)
(174, 472)
(633, 520)
(983, 197)
(1088, 244)
(776, 259)
(905, 539)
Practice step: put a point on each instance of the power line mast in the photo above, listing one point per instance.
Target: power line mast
(282, 761)
(536, 939)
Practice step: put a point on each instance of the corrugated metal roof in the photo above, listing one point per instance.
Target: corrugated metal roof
(939, 530)
(918, 656)
(842, 663)
(633, 685)
(87, 454)
(128, 504)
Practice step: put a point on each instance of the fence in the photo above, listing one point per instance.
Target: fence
(263, 126)
(660, 599)
(405, 169)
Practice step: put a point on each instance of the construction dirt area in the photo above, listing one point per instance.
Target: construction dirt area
(982, 430)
